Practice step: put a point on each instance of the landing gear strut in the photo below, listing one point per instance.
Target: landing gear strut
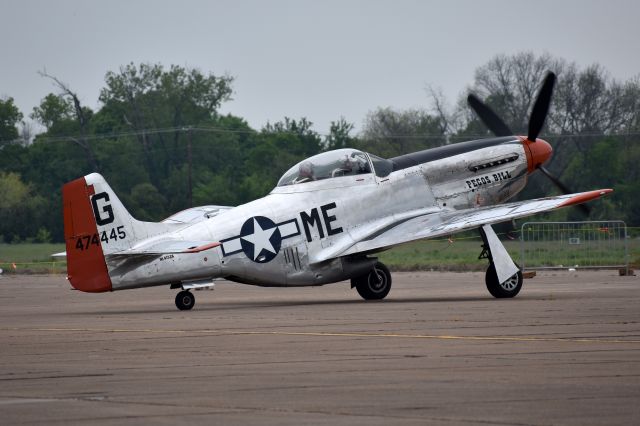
(508, 287)
(375, 284)
(185, 300)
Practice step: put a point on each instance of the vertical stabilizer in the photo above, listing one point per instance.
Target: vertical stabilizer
(96, 224)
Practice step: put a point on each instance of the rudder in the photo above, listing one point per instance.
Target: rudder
(86, 267)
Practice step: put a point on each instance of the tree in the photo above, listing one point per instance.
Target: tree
(509, 84)
(449, 121)
(82, 115)
(587, 105)
(150, 115)
(10, 116)
(144, 97)
(611, 163)
(339, 135)
(389, 133)
(53, 110)
(21, 211)
(295, 137)
(271, 152)
(147, 202)
(26, 133)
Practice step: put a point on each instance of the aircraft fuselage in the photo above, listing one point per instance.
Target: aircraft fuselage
(281, 239)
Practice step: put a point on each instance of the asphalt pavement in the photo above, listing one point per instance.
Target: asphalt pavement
(438, 350)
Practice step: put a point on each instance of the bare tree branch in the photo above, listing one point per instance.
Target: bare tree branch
(80, 116)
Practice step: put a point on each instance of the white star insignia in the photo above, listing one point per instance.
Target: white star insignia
(260, 239)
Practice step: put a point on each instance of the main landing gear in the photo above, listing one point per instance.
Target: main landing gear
(185, 300)
(375, 284)
(500, 285)
(510, 288)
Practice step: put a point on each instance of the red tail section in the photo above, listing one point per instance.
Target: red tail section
(86, 268)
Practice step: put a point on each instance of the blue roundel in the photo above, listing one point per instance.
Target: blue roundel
(260, 239)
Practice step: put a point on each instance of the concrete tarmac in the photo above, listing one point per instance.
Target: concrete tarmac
(438, 350)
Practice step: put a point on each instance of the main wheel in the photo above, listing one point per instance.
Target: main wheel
(375, 284)
(185, 300)
(509, 288)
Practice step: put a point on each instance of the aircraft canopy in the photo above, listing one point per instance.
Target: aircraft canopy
(331, 164)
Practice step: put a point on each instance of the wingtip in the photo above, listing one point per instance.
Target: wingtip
(586, 196)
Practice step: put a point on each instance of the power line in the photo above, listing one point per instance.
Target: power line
(116, 135)
(184, 129)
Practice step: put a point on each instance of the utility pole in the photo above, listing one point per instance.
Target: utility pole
(189, 161)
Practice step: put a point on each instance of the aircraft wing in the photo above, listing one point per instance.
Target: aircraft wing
(447, 222)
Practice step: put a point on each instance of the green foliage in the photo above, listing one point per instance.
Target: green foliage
(43, 236)
(281, 145)
(214, 187)
(340, 135)
(158, 128)
(53, 111)
(459, 254)
(612, 162)
(147, 202)
(148, 97)
(21, 211)
(9, 118)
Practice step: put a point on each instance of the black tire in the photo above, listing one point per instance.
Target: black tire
(374, 285)
(509, 288)
(185, 300)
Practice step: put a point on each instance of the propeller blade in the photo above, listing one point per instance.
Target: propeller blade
(564, 189)
(541, 107)
(488, 117)
(555, 180)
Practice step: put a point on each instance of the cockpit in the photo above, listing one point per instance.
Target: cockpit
(333, 164)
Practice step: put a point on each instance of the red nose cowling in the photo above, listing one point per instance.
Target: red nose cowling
(538, 152)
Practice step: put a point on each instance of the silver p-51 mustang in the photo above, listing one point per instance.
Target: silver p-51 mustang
(324, 222)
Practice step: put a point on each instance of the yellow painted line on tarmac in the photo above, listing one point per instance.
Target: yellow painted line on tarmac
(444, 337)
(329, 334)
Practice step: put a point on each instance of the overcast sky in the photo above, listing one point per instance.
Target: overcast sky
(317, 59)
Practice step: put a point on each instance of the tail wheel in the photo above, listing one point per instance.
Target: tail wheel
(374, 285)
(185, 300)
(509, 288)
